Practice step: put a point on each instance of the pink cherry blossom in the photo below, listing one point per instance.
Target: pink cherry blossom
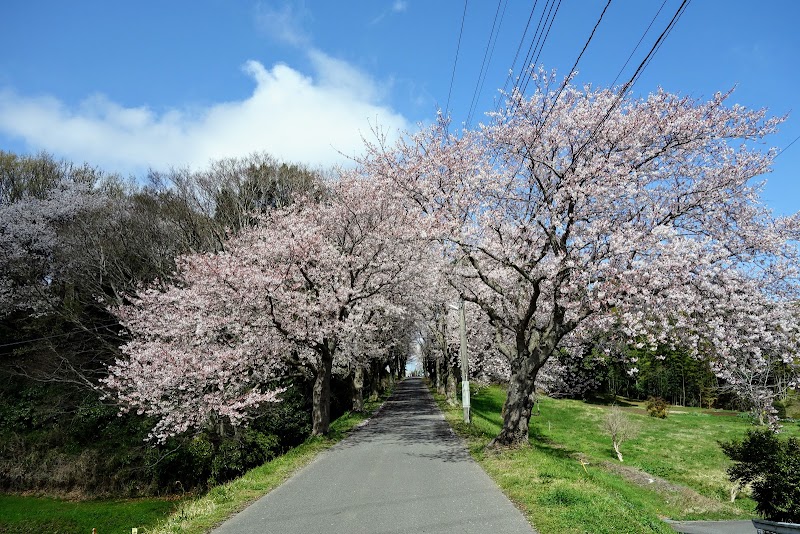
(572, 214)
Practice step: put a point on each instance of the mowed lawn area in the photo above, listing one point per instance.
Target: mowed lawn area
(26, 515)
(570, 481)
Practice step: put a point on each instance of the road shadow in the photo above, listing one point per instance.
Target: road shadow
(411, 418)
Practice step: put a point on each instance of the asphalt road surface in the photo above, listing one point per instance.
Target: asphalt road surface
(713, 527)
(403, 472)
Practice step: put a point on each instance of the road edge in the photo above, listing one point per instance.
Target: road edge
(207, 512)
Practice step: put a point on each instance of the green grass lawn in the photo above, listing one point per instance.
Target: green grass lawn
(569, 480)
(29, 515)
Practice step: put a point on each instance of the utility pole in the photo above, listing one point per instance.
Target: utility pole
(462, 327)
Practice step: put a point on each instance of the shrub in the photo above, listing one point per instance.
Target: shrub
(657, 407)
(780, 409)
(619, 427)
(235, 456)
(772, 466)
(183, 464)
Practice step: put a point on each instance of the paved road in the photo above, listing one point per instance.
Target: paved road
(713, 527)
(404, 472)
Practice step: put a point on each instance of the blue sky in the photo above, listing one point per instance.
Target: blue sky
(129, 86)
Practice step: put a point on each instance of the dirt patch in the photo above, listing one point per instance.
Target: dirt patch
(683, 497)
(643, 478)
(638, 408)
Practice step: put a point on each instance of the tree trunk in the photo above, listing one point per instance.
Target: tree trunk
(386, 379)
(392, 369)
(517, 408)
(374, 381)
(616, 449)
(439, 376)
(452, 384)
(402, 361)
(321, 394)
(358, 389)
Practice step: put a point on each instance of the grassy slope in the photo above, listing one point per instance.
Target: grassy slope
(560, 495)
(196, 515)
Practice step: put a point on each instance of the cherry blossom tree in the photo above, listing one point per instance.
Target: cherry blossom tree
(283, 296)
(31, 241)
(570, 375)
(767, 337)
(379, 341)
(577, 211)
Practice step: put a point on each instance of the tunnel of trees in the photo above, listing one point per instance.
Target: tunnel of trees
(164, 334)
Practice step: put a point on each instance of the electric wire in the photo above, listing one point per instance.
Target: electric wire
(642, 66)
(519, 47)
(784, 149)
(572, 71)
(537, 44)
(549, 27)
(537, 35)
(489, 52)
(676, 19)
(639, 43)
(455, 62)
(540, 47)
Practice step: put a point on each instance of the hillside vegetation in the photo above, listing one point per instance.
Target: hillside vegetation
(193, 514)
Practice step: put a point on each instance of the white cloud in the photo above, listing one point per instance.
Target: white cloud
(292, 116)
(284, 24)
(333, 72)
(399, 6)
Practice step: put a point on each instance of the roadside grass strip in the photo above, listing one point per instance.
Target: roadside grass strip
(202, 514)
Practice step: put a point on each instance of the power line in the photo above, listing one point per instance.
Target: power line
(537, 44)
(642, 66)
(519, 47)
(542, 38)
(787, 147)
(666, 33)
(567, 78)
(591, 35)
(455, 62)
(639, 43)
(537, 36)
(487, 53)
(572, 71)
